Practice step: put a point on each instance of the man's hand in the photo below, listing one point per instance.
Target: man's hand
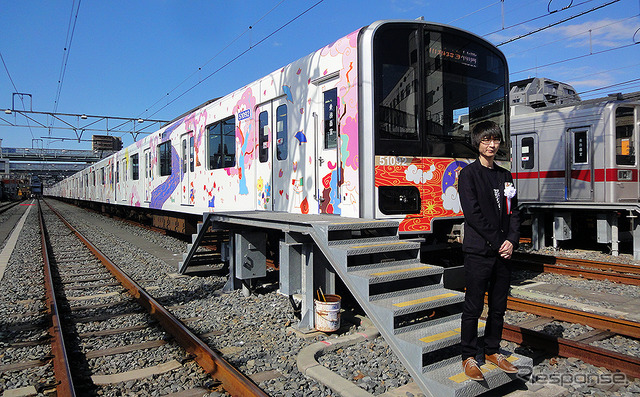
(506, 249)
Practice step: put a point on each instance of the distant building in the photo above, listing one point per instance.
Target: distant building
(106, 142)
(540, 92)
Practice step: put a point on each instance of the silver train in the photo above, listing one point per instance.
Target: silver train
(575, 164)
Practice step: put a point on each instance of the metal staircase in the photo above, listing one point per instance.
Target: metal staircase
(204, 248)
(408, 303)
(403, 297)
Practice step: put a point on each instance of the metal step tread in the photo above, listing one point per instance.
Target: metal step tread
(452, 378)
(364, 240)
(439, 335)
(386, 263)
(376, 247)
(360, 224)
(409, 302)
(398, 270)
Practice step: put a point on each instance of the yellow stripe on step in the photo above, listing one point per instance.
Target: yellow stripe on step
(423, 300)
(401, 271)
(446, 334)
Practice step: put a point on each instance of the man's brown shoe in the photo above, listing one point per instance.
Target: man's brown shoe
(471, 369)
(501, 361)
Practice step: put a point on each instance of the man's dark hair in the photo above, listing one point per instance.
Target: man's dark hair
(485, 129)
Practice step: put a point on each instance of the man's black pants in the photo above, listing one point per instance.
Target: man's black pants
(484, 274)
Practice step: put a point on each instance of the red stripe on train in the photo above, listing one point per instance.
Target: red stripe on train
(600, 175)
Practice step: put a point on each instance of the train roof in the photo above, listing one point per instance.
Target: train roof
(617, 97)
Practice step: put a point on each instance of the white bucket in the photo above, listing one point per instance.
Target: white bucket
(327, 314)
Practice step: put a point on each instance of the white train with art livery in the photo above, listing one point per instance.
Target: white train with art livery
(576, 164)
(373, 125)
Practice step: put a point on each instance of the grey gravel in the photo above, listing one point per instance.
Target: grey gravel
(253, 333)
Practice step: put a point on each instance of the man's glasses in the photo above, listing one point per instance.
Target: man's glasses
(487, 140)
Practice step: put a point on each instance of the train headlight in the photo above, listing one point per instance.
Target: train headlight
(624, 175)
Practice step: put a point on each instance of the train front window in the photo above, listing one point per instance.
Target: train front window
(625, 138)
(431, 86)
(465, 83)
(396, 91)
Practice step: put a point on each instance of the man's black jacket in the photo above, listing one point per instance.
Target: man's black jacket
(486, 227)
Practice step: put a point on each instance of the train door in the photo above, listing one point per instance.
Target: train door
(148, 175)
(328, 175)
(579, 175)
(273, 170)
(525, 165)
(282, 166)
(187, 168)
(263, 197)
(117, 181)
(124, 179)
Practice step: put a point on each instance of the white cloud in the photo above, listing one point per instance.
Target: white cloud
(415, 175)
(451, 200)
(606, 33)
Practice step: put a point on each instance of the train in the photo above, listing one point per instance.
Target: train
(575, 165)
(375, 125)
(342, 166)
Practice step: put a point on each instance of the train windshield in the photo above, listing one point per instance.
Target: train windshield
(433, 84)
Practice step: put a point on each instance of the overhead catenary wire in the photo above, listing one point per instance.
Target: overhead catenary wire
(240, 55)
(574, 58)
(557, 23)
(572, 36)
(15, 90)
(214, 57)
(538, 17)
(73, 19)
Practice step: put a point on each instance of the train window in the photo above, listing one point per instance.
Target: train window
(263, 137)
(625, 138)
(117, 172)
(103, 179)
(396, 69)
(527, 153)
(135, 167)
(164, 154)
(282, 140)
(399, 200)
(431, 86)
(580, 147)
(222, 144)
(331, 119)
(192, 154)
(184, 156)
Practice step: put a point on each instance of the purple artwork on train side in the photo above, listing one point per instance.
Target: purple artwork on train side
(162, 193)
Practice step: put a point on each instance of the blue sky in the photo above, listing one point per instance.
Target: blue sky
(126, 56)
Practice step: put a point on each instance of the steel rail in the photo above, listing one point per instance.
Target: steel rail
(563, 260)
(615, 325)
(8, 206)
(567, 348)
(61, 368)
(233, 381)
(615, 272)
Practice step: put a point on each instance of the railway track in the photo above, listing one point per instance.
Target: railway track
(6, 206)
(603, 327)
(574, 267)
(94, 290)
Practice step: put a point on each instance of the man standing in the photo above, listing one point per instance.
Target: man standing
(491, 232)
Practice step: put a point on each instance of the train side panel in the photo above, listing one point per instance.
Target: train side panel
(254, 149)
(578, 153)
